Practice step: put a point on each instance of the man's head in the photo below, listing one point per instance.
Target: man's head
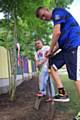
(39, 43)
(43, 13)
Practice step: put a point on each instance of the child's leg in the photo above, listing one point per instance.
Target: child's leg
(52, 87)
(43, 81)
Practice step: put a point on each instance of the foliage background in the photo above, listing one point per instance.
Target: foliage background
(28, 27)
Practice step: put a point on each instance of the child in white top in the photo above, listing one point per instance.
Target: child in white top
(42, 64)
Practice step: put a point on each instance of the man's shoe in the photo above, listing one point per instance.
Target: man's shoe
(61, 98)
(77, 117)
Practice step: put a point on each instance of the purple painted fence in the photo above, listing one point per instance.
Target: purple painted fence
(24, 61)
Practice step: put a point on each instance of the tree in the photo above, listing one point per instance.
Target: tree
(21, 25)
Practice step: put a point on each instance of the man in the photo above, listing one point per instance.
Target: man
(42, 63)
(67, 34)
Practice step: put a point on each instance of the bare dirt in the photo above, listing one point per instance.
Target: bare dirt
(23, 107)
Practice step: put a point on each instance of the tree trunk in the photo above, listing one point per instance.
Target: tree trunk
(9, 70)
(13, 56)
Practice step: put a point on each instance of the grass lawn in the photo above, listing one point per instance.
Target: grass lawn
(74, 105)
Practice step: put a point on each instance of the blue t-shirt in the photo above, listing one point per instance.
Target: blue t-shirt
(70, 29)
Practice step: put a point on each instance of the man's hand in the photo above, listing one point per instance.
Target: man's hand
(48, 54)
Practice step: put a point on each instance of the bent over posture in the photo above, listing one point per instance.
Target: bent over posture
(66, 34)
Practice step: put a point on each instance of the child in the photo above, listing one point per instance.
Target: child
(42, 63)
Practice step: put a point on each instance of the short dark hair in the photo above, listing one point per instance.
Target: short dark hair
(37, 11)
(39, 39)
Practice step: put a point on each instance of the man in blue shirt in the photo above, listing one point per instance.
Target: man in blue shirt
(66, 36)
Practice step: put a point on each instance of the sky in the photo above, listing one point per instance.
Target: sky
(1, 15)
(74, 9)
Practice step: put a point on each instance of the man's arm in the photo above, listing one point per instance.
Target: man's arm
(55, 36)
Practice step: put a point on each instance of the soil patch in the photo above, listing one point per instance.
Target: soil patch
(23, 107)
